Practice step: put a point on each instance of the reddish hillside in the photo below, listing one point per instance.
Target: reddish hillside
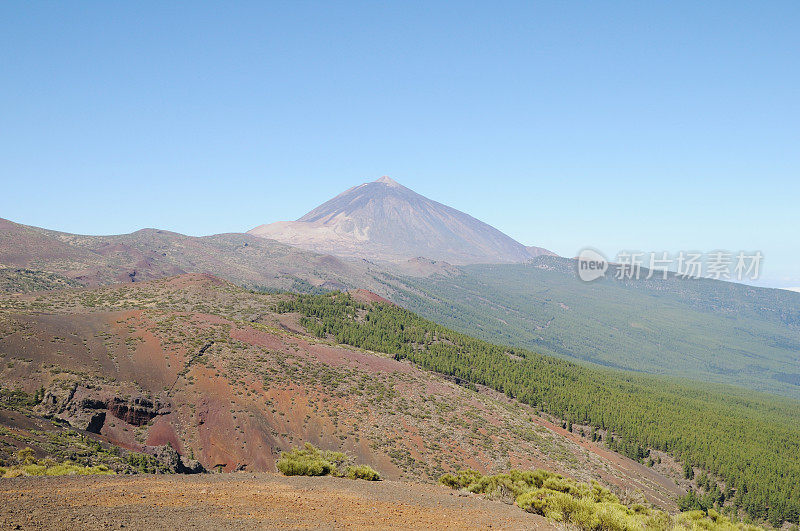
(62, 258)
(364, 295)
(208, 368)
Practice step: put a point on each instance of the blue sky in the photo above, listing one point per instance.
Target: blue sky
(624, 125)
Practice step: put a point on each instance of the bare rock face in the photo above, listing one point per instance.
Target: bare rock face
(384, 220)
(74, 405)
(136, 411)
(175, 462)
(87, 408)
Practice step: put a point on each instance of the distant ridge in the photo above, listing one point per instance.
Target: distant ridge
(36, 258)
(384, 220)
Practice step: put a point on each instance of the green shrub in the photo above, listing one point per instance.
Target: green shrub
(515, 481)
(311, 461)
(363, 472)
(460, 480)
(26, 456)
(30, 466)
(587, 506)
(534, 501)
(305, 466)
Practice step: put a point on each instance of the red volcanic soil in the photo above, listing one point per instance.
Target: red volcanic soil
(363, 295)
(233, 384)
(247, 501)
(149, 254)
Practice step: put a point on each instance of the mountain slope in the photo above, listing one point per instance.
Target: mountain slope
(230, 378)
(701, 329)
(715, 331)
(384, 220)
(29, 252)
(710, 330)
(213, 371)
(750, 441)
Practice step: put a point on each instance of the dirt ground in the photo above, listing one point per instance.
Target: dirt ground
(246, 501)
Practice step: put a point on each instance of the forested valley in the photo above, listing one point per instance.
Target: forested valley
(749, 440)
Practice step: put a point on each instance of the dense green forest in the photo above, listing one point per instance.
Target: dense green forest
(750, 440)
(702, 329)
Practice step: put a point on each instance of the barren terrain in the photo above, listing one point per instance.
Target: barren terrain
(247, 501)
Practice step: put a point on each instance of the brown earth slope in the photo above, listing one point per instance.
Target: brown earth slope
(247, 501)
(210, 369)
(61, 258)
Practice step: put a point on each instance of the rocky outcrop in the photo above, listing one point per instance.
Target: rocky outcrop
(175, 462)
(136, 411)
(87, 408)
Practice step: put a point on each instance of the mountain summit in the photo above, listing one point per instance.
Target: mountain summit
(384, 220)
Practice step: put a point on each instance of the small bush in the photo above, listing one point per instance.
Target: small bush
(26, 456)
(365, 472)
(461, 480)
(311, 461)
(587, 506)
(514, 482)
(297, 465)
(30, 466)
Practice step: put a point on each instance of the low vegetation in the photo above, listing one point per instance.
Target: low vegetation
(311, 461)
(364, 472)
(30, 466)
(16, 280)
(587, 506)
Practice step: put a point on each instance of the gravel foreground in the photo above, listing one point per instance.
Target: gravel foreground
(246, 501)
